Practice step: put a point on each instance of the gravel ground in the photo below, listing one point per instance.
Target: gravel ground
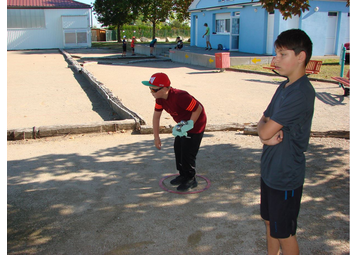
(100, 193)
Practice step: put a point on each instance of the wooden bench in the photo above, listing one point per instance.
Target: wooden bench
(313, 67)
(344, 83)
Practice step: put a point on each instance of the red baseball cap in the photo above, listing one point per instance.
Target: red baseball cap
(158, 80)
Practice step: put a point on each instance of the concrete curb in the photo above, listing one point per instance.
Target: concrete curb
(58, 130)
(106, 93)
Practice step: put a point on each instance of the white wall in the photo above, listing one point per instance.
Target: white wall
(45, 38)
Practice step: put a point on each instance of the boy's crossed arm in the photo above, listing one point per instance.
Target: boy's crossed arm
(270, 132)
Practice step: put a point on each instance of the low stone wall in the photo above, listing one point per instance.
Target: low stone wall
(158, 49)
(107, 94)
(192, 58)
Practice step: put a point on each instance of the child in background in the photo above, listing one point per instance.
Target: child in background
(124, 52)
(179, 43)
(151, 45)
(132, 45)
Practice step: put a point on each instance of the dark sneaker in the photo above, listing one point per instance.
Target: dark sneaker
(206, 48)
(210, 48)
(187, 184)
(177, 180)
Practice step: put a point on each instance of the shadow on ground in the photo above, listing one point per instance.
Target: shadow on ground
(109, 202)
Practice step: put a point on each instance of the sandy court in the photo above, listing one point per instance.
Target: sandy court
(229, 97)
(100, 193)
(43, 91)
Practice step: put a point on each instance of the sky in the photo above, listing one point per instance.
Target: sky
(94, 20)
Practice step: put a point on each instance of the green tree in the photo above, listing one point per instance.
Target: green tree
(181, 7)
(156, 11)
(116, 12)
(288, 7)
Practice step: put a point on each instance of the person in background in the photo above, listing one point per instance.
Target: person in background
(151, 45)
(124, 46)
(133, 45)
(207, 34)
(179, 43)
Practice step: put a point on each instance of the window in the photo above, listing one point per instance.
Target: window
(332, 14)
(222, 23)
(25, 18)
(75, 37)
(81, 37)
(70, 37)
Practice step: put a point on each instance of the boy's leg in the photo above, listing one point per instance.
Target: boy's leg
(273, 244)
(289, 246)
(280, 211)
(189, 149)
(177, 152)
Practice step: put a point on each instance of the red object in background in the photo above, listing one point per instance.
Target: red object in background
(347, 46)
(222, 60)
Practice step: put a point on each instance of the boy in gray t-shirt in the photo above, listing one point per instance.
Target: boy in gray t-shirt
(284, 129)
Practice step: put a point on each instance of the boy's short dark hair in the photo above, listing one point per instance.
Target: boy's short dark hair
(296, 40)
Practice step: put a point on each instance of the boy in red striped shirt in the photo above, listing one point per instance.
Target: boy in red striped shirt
(182, 107)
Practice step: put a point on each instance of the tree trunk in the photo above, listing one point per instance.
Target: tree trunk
(153, 22)
(119, 33)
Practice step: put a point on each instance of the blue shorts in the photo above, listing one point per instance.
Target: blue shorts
(281, 209)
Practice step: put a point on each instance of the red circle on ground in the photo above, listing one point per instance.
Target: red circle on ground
(208, 184)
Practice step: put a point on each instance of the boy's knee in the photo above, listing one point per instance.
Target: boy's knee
(267, 224)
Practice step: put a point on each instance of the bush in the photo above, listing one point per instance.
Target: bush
(145, 31)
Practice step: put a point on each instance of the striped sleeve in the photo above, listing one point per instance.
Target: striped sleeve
(191, 105)
(158, 107)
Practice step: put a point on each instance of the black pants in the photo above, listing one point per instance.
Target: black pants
(186, 149)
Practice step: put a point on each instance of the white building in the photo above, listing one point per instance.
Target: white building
(48, 24)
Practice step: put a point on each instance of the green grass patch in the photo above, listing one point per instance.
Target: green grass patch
(329, 68)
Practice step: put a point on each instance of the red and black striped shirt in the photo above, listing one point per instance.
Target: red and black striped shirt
(180, 105)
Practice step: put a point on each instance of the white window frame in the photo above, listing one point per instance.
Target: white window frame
(223, 23)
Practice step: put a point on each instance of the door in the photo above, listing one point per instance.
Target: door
(331, 33)
(196, 30)
(270, 30)
(235, 32)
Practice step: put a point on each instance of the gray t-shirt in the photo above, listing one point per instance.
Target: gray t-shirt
(283, 165)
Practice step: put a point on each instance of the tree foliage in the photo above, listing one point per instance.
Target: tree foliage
(120, 12)
(156, 11)
(288, 8)
(181, 7)
(116, 12)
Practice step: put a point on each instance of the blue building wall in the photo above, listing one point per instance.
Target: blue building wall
(253, 25)
(253, 32)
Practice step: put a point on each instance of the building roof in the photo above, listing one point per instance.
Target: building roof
(45, 4)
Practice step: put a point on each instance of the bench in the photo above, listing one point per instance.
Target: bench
(313, 67)
(344, 83)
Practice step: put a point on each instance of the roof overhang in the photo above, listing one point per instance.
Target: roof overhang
(227, 6)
